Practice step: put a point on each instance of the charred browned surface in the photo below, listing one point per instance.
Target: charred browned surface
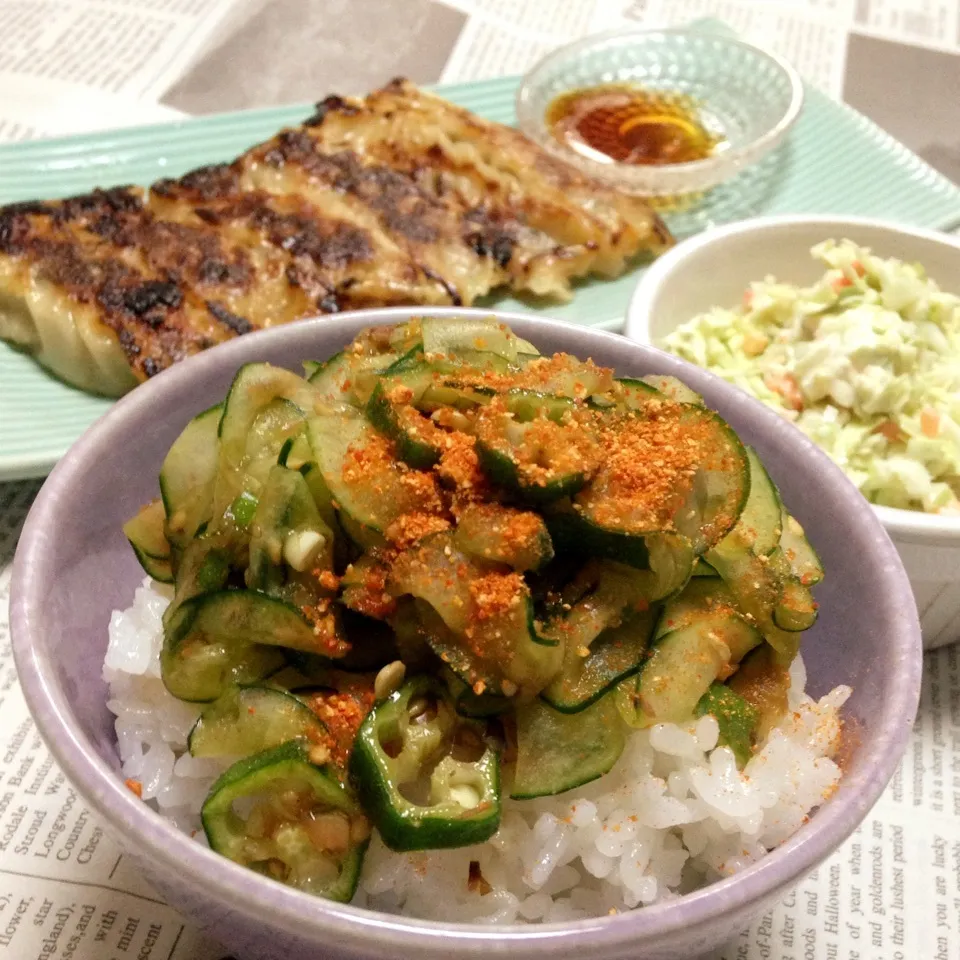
(86, 249)
(434, 229)
(205, 183)
(310, 260)
(400, 198)
(571, 225)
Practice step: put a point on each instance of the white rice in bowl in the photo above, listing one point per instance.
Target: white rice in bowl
(671, 816)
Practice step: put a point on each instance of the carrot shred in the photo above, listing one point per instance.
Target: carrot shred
(930, 422)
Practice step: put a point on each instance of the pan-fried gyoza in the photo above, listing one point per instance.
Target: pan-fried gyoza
(398, 198)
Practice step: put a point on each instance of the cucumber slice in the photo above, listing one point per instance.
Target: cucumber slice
(673, 388)
(602, 594)
(187, 476)
(627, 394)
(735, 717)
(531, 660)
(527, 405)
(757, 585)
(679, 671)
(363, 536)
(409, 633)
(322, 496)
(635, 394)
(343, 547)
(486, 632)
(349, 377)
(760, 525)
(361, 472)
(565, 376)
(517, 538)
(802, 559)
(456, 394)
(440, 384)
(230, 636)
(253, 388)
(558, 751)
(668, 556)
(408, 360)
(700, 493)
(698, 637)
(296, 452)
(305, 828)
(160, 568)
(145, 531)
(540, 460)
(392, 409)
(200, 672)
(617, 653)
(205, 566)
(706, 599)
(242, 617)
(506, 470)
(796, 609)
(456, 336)
(289, 539)
(248, 719)
(276, 429)
(721, 487)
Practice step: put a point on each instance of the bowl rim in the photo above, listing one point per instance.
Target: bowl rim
(527, 122)
(924, 528)
(358, 928)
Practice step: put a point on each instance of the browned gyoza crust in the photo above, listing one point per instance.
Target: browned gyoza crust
(399, 198)
(103, 315)
(570, 225)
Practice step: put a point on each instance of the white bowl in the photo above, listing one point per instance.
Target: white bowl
(715, 268)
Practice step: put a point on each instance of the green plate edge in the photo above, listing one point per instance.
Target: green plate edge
(836, 161)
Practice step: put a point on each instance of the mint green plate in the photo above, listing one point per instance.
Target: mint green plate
(835, 161)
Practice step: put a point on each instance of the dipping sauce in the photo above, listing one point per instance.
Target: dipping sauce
(624, 123)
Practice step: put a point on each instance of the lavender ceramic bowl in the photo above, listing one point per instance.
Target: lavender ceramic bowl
(74, 566)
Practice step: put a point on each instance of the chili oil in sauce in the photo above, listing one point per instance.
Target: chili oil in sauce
(624, 123)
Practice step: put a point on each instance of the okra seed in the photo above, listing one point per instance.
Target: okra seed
(329, 831)
(418, 707)
(465, 795)
(389, 679)
(359, 829)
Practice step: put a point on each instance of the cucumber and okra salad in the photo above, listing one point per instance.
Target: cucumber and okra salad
(441, 569)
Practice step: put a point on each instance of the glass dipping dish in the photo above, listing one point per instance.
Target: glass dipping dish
(746, 98)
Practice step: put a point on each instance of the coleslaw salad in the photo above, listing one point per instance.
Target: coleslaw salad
(866, 361)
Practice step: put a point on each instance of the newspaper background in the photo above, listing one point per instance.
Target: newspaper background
(67, 891)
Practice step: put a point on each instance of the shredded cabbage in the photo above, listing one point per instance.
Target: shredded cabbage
(866, 362)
